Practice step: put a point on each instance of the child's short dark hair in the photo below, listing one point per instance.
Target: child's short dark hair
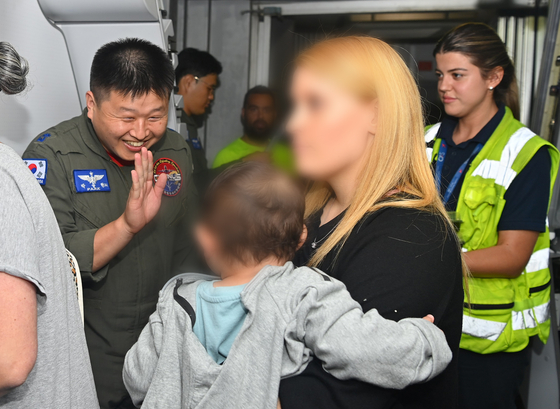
(256, 211)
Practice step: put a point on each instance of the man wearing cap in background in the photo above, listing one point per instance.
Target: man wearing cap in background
(197, 78)
(121, 187)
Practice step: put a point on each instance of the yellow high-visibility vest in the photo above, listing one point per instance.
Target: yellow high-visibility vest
(503, 312)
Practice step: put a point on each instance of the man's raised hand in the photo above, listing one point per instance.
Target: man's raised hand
(144, 199)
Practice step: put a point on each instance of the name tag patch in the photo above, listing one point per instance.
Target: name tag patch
(39, 169)
(174, 176)
(91, 180)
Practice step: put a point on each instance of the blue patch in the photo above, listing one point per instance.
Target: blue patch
(196, 143)
(91, 180)
(43, 137)
(39, 169)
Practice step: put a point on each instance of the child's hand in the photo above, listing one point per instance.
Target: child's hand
(429, 317)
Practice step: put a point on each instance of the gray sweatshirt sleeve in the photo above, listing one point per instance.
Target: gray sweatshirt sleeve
(354, 345)
(141, 360)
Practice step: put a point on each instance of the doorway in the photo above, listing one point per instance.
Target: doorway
(280, 30)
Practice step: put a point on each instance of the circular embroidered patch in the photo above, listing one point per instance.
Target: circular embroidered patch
(174, 176)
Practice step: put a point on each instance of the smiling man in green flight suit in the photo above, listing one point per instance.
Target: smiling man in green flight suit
(120, 184)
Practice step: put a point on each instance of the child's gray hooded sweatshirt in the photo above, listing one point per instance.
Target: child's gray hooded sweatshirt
(293, 313)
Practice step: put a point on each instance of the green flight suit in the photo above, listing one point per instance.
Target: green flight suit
(202, 175)
(118, 298)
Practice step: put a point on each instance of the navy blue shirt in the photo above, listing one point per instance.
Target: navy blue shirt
(527, 196)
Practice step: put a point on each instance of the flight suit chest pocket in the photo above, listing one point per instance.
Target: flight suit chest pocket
(96, 208)
(96, 191)
(485, 207)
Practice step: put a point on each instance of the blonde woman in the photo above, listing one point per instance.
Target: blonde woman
(374, 216)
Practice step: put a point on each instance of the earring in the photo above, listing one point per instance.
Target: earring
(491, 88)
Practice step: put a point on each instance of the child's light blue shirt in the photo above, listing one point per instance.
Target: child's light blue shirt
(219, 317)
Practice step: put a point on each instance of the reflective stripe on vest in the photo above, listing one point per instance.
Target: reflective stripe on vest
(486, 329)
(530, 317)
(491, 330)
(431, 133)
(501, 171)
(429, 136)
(538, 261)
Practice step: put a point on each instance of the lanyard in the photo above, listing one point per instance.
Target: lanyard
(439, 168)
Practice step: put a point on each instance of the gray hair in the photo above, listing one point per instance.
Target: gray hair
(13, 69)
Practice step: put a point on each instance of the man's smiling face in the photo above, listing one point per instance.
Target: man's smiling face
(124, 124)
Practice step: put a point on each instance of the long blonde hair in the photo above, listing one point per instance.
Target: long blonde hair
(370, 68)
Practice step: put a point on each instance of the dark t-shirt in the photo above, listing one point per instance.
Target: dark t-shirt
(527, 196)
(404, 263)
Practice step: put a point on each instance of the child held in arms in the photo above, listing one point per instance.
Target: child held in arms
(226, 342)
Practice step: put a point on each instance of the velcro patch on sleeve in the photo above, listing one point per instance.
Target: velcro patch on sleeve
(38, 168)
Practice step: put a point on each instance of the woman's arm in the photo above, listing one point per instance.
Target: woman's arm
(507, 259)
(521, 221)
(21, 290)
(18, 331)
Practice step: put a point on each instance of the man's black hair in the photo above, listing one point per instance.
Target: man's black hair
(133, 67)
(258, 90)
(197, 63)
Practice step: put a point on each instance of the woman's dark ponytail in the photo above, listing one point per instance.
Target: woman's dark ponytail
(487, 51)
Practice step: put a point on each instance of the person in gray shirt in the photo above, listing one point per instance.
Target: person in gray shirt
(44, 361)
(216, 343)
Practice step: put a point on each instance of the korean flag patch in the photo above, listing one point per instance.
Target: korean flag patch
(91, 180)
(39, 169)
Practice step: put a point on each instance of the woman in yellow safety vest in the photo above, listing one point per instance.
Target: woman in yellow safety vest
(497, 176)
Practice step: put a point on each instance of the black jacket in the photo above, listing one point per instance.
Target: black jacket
(405, 263)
